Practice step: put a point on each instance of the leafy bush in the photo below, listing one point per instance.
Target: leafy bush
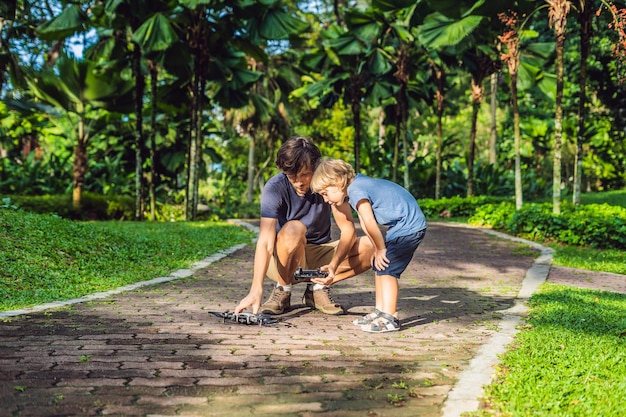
(455, 206)
(594, 225)
(94, 207)
(497, 216)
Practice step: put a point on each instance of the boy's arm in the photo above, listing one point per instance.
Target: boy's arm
(369, 224)
(372, 230)
(345, 223)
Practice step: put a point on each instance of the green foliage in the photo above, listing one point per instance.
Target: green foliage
(45, 258)
(34, 175)
(594, 225)
(94, 207)
(455, 206)
(568, 361)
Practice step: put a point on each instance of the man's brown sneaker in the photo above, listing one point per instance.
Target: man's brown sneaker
(279, 301)
(322, 300)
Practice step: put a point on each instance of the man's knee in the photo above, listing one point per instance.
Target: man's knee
(292, 234)
(365, 246)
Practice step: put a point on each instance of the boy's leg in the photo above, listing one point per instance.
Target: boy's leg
(386, 320)
(388, 293)
(378, 282)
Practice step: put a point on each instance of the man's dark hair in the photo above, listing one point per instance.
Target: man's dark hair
(296, 153)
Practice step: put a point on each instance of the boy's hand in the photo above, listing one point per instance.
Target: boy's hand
(380, 260)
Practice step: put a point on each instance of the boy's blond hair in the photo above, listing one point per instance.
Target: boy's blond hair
(332, 173)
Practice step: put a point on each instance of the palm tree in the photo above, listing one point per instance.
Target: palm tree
(557, 18)
(480, 66)
(585, 21)
(266, 116)
(220, 37)
(442, 34)
(510, 39)
(345, 65)
(78, 87)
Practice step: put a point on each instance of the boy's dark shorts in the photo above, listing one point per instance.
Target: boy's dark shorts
(400, 252)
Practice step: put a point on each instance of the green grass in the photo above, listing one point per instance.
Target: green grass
(603, 260)
(614, 198)
(569, 360)
(45, 258)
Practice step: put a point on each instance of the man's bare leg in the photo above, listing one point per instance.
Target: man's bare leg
(359, 260)
(290, 246)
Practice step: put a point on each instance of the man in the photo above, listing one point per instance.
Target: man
(295, 232)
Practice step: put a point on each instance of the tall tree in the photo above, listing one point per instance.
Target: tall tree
(220, 38)
(557, 18)
(75, 87)
(585, 17)
(480, 66)
(451, 29)
(345, 65)
(510, 40)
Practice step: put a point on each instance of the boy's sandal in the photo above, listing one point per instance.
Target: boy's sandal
(368, 318)
(383, 323)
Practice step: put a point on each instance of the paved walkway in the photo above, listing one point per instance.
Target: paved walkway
(155, 351)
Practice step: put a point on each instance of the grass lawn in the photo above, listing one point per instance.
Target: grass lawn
(568, 360)
(45, 258)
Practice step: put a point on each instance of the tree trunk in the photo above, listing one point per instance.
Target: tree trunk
(152, 177)
(139, 140)
(558, 120)
(405, 152)
(191, 206)
(396, 151)
(440, 102)
(251, 169)
(477, 93)
(586, 31)
(79, 168)
(493, 138)
(519, 199)
(356, 120)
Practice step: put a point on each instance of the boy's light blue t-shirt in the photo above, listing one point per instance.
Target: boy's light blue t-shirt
(393, 205)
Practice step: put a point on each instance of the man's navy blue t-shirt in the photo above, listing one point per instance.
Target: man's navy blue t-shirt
(280, 201)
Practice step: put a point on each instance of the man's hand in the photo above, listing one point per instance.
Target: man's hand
(328, 279)
(251, 300)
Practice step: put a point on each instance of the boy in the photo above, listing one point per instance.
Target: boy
(382, 202)
(295, 232)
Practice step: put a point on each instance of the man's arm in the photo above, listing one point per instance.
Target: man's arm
(262, 255)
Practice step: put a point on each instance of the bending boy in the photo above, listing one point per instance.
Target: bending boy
(382, 202)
